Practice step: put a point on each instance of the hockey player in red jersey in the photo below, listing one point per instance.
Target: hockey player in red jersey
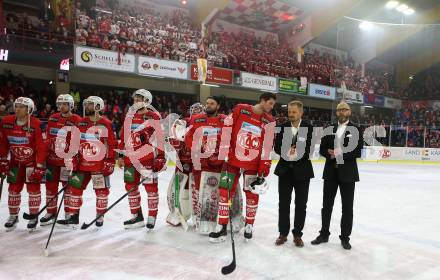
(58, 139)
(21, 137)
(250, 130)
(203, 140)
(96, 162)
(142, 131)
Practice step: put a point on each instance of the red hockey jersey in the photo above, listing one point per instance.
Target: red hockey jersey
(140, 135)
(25, 143)
(250, 143)
(207, 130)
(95, 147)
(55, 123)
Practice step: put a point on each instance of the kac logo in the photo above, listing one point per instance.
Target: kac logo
(86, 56)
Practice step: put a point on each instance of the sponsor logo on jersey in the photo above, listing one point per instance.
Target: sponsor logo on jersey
(54, 131)
(210, 131)
(70, 123)
(246, 112)
(52, 119)
(136, 126)
(200, 120)
(83, 124)
(8, 126)
(212, 181)
(30, 129)
(15, 140)
(89, 136)
(255, 130)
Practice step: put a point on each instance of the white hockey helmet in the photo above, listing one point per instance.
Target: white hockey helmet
(98, 103)
(148, 97)
(196, 108)
(26, 102)
(65, 98)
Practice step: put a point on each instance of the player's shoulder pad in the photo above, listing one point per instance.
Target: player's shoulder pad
(199, 118)
(267, 118)
(54, 117)
(8, 122)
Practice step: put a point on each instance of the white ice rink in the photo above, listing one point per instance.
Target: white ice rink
(396, 235)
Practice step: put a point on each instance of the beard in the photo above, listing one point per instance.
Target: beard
(210, 112)
(89, 113)
(342, 119)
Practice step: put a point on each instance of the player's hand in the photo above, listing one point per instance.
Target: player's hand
(37, 175)
(331, 153)
(159, 164)
(337, 152)
(108, 168)
(4, 166)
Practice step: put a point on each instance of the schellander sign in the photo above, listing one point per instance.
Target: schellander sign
(105, 60)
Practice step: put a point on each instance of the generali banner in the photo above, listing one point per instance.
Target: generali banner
(259, 82)
(105, 60)
(162, 68)
(214, 75)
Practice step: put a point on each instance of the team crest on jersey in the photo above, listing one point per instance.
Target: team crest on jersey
(8, 126)
(22, 152)
(89, 149)
(248, 141)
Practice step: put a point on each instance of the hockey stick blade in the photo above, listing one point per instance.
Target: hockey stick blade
(86, 226)
(229, 268)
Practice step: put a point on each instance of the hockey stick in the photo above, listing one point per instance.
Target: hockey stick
(46, 250)
(27, 216)
(1, 186)
(176, 211)
(86, 226)
(231, 267)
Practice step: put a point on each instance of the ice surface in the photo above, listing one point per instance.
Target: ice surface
(396, 235)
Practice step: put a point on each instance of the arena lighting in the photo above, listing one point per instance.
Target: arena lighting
(391, 4)
(365, 25)
(151, 76)
(184, 2)
(368, 106)
(409, 11)
(211, 85)
(402, 7)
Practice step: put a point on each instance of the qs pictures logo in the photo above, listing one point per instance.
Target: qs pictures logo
(86, 56)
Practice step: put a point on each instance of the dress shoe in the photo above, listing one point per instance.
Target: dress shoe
(320, 239)
(346, 244)
(281, 240)
(298, 241)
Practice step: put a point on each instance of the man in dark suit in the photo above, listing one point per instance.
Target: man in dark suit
(294, 171)
(340, 147)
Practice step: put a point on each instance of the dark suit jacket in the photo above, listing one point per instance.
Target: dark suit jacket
(301, 169)
(348, 171)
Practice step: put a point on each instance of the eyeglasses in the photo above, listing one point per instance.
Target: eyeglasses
(342, 110)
